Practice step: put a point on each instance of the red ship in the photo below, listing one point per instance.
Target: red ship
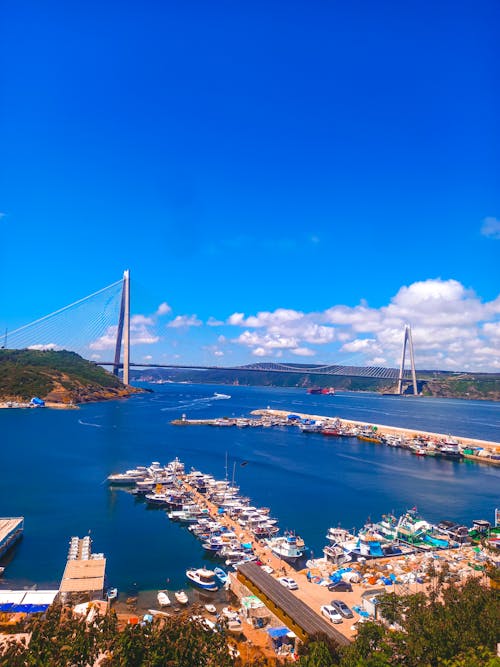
(321, 390)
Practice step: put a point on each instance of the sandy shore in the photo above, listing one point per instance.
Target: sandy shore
(389, 430)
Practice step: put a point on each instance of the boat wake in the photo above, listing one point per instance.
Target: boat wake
(204, 402)
(89, 424)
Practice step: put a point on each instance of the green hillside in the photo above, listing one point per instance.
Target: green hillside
(60, 376)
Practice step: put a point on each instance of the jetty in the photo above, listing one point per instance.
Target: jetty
(384, 429)
(11, 530)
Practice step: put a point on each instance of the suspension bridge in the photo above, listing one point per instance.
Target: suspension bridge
(105, 326)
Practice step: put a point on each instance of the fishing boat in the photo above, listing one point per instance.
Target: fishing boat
(221, 575)
(181, 597)
(211, 608)
(111, 593)
(202, 578)
(163, 599)
(289, 547)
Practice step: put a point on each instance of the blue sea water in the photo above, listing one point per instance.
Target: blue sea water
(54, 466)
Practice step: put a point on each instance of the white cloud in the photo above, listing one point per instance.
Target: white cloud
(141, 320)
(95, 357)
(358, 345)
(218, 353)
(303, 352)
(452, 328)
(185, 321)
(140, 334)
(163, 309)
(147, 357)
(491, 227)
(212, 322)
(44, 346)
(236, 319)
(107, 341)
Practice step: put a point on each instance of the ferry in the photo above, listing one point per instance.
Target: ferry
(324, 391)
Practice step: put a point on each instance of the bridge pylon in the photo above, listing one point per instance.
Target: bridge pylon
(123, 331)
(407, 341)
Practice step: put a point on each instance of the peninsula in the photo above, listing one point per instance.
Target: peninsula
(60, 378)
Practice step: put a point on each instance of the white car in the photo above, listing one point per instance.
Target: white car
(289, 583)
(331, 613)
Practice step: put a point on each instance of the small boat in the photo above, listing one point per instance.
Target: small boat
(163, 599)
(161, 614)
(181, 597)
(111, 593)
(211, 608)
(202, 578)
(221, 575)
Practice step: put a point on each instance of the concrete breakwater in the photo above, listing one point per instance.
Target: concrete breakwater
(423, 442)
(384, 430)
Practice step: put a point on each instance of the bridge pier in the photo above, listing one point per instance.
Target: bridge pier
(407, 340)
(123, 332)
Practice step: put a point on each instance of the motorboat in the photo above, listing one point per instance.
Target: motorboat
(163, 599)
(181, 597)
(202, 578)
(211, 608)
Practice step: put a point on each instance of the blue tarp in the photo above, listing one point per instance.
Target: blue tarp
(275, 633)
(37, 401)
(26, 608)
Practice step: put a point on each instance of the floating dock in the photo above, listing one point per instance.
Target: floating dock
(11, 530)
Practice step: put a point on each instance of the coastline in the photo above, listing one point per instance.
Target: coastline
(387, 430)
(18, 404)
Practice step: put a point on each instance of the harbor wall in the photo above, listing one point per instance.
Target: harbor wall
(387, 430)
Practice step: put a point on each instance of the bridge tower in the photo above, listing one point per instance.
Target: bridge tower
(123, 332)
(407, 341)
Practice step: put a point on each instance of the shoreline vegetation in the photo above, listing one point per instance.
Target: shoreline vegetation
(61, 379)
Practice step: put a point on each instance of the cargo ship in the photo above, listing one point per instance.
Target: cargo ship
(321, 390)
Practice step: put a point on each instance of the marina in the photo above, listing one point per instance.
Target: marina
(243, 551)
(273, 465)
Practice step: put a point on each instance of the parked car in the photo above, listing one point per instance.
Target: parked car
(289, 583)
(340, 587)
(342, 608)
(331, 613)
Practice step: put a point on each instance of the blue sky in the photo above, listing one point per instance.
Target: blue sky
(252, 158)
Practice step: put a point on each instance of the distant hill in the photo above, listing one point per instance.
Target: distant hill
(478, 386)
(59, 377)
